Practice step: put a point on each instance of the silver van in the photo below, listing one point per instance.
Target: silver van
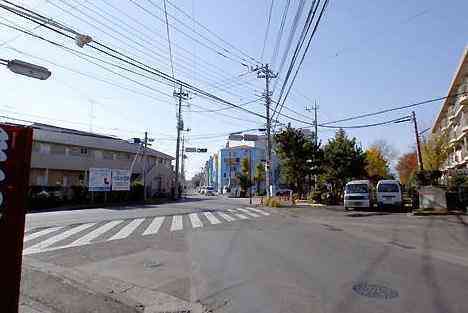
(389, 194)
(358, 194)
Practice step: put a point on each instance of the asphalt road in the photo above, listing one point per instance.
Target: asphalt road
(217, 254)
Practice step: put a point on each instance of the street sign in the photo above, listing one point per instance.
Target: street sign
(235, 137)
(197, 150)
(248, 137)
(15, 160)
(120, 180)
(100, 179)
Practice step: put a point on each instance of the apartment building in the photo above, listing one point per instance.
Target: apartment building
(453, 118)
(62, 157)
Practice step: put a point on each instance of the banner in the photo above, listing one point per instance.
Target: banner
(100, 179)
(120, 180)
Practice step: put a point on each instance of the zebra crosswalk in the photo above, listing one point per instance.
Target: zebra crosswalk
(56, 238)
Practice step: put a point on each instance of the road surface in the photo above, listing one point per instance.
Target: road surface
(223, 255)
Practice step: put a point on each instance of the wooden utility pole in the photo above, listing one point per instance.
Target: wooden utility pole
(418, 143)
(180, 126)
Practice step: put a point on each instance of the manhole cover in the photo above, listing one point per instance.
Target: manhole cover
(375, 291)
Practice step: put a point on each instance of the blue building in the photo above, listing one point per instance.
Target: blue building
(229, 165)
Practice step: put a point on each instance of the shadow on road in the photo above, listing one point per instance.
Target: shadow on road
(428, 273)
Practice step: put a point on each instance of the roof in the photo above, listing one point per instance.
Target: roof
(67, 136)
(463, 65)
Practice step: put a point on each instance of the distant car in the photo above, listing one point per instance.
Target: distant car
(209, 191)
(389, 193)
(284, 192)
(358, 194)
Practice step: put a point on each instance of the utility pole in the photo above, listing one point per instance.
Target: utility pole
(315, 135)
(145, 145)
(418, 143)
(180, 126)
(182, 167)
(265, 72)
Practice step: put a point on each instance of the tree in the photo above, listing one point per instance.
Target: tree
(434, 151)
(296, 152)
(406, 166)
(377, 166)
(387, 150)
(244, 176)
(343, 160)
(259, 175)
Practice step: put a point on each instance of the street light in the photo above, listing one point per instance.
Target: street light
(27, 69)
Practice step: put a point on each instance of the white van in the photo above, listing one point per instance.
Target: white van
(389, 193)
(358, 194)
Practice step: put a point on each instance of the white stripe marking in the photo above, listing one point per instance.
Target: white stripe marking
(177, 223)
(41, 233)
(127, 230)
(86, 239)
(48, 242)
(226, 217)
(241, 216)
(258, 211)
(248, 212)
(153, 228)
(211, 218)
(195, 220)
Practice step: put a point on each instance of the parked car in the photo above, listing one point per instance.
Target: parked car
(358, 194)
(389, 194)
(209, 191)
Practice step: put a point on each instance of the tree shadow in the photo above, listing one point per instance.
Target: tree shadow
(428, 273)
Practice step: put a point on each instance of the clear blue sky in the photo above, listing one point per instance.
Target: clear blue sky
(368, 55)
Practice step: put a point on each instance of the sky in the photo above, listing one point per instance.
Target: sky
(366, 56)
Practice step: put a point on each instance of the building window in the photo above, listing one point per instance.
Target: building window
(237, 160)
(36, 147)
(98, 154)
(83, 150)
(122, 156)
(108, 155)
(75, 151)
(45, 148)
(57, 149)
(224, 175)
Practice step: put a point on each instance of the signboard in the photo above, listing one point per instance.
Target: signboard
(198, 150)
(15, 160)
(99, 179)
(236, 137)
(120, 180)
(248, 137)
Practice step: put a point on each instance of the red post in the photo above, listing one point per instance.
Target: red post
(15, 160)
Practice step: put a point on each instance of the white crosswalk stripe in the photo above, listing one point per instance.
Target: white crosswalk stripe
(177, 223)
(127, 229)
(248, 212)
(50, 241)
(86, 239)
(226, 217)
(153, 228)
(258, 211)
(211, 218)
(241, 216)
(42, 233)
(195, 220)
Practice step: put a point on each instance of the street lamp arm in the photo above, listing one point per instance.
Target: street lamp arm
(27, 69)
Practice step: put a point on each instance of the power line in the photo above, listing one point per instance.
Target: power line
(392, 109)
(324, 7)
(145, 67)
(224, 109)
(211, 32)
(267, 27)
(280, 32)
(397, 120)
(191, 37)
(168, 39)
